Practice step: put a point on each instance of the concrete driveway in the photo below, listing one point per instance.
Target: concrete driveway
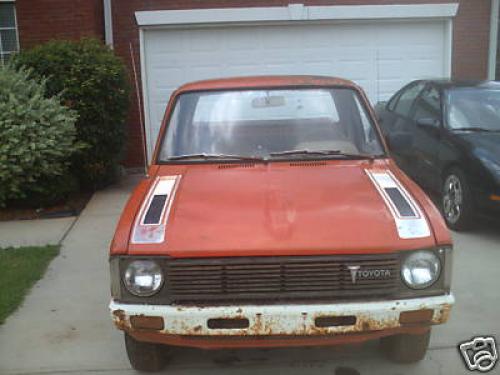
(64, 326)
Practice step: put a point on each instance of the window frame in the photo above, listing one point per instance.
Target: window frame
(3, 52)
(428, 87)
(405, 89)
(170, 109)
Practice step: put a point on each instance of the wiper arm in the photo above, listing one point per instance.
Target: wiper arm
(472, 129)
(323, 152)
(215, 156)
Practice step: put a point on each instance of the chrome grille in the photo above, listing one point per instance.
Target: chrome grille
(278, 278)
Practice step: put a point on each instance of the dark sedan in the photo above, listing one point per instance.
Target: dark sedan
(446, 136)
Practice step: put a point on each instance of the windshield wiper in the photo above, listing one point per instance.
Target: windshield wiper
(472, 129)
(325, 153)
(214, 156)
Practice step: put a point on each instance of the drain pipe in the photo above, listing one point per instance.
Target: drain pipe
(493, 45)
(108, 23)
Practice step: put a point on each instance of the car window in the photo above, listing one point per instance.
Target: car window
(257, 122)
(474, 108)
(428, 105)
(249, 106)
(407, 98)
(391, 105)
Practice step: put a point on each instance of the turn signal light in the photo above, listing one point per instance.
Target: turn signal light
(416, 317)
(147, 322)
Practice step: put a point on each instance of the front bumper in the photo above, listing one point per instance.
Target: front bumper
(189, 325)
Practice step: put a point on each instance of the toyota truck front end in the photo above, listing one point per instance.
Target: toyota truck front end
(272, 215)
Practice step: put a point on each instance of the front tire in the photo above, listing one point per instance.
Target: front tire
(144, 356)
(457, 201)
(405, 348)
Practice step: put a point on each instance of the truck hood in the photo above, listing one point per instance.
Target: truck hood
(301, 208)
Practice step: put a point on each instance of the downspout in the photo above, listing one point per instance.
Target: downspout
(108, 23)
(493, 46)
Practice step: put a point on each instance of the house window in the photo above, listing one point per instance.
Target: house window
(9, 42)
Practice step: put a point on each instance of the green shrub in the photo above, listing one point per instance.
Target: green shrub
(92, 81)
(37, 137)
(49, 192)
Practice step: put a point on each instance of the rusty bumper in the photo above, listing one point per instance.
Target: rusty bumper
(304, 324)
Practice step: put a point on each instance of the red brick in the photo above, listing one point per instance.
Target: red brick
(43, 20)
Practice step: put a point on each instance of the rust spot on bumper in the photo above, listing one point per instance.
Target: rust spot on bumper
(293, 321)
(442, 315)
(120, 320)
(197, 328)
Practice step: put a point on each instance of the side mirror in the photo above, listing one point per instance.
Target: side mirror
(428, 123)
(399, 142)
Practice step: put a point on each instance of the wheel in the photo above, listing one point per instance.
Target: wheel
(457, 201)
(144, 356)
(405, 348)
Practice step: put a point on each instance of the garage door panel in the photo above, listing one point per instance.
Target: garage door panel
(323, 68)
(174, 76)
(387, 88)
(159, 113)
(380, 56)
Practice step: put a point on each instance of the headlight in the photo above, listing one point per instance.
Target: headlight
(420, 269)
(143, 278)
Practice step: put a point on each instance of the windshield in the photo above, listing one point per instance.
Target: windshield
(265, 123)
(474, 108)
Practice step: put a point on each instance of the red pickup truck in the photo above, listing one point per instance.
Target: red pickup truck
(272, 215)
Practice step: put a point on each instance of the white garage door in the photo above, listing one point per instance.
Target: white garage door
(380, 56)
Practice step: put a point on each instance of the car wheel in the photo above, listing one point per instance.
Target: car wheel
(144, 356)
(405, 348)
(456, 200)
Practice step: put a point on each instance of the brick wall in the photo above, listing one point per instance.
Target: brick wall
(42, 20)
(471, 38)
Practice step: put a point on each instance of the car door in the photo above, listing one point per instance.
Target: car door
(396, 122)
(426, 118)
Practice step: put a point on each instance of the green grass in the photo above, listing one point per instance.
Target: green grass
(20, 269)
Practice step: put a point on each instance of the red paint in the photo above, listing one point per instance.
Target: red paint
(275, 208)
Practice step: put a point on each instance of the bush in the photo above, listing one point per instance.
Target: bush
(92, 81)
(37, 137)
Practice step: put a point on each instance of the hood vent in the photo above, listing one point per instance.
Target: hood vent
(402, 205)
(228, 166)
(308, 164)
(152, 219)
(408, 216)
(153, 214)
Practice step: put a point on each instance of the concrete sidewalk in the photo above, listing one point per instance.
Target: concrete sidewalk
(37, 232)
(64, 322)
(64, 325)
